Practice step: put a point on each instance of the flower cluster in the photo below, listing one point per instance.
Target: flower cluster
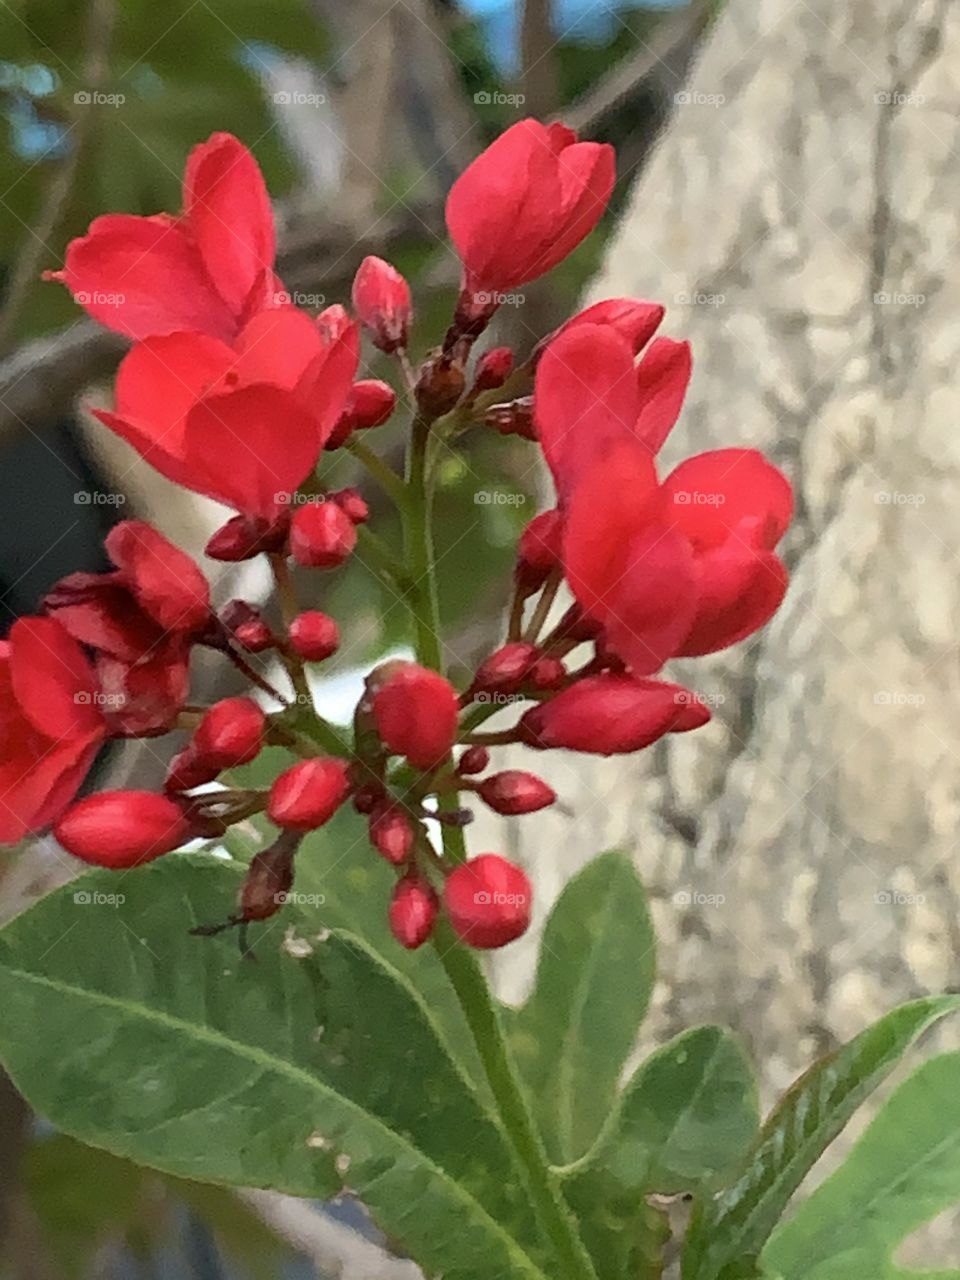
(233, 392)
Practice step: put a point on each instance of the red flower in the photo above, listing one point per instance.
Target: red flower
(208, 270)
(50, 725)
(525, 203)
(381, 299)
(188, 402)
(611, 715)
(141, 619)
(590, 395)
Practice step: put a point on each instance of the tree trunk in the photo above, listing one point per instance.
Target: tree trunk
(801, 219)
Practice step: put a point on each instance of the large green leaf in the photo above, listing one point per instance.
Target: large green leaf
(572, 1037)
(730, 1230)
(314, 1069)
(688, 1115)
(903, 1172)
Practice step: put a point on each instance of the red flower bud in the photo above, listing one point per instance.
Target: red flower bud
(314, 636)
(187, 770)
(548, 673)
(473, 760)
(612, 714)
(391, 832)
(515, 418)
(308, 794)
(243, 537)
(230, 733)
(381, 299)
(416, 712)
(489, 901)
(493, 369)
(353, 504)
(370, 403)
(122, 828)
(322, 536)
(413, 909)
(507, 668)
(255, 636)
(514, 792)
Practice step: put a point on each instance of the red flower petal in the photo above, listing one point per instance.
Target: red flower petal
(52, 679)
(710, 495)
(662, 379)
(144, 276)
(226, 202)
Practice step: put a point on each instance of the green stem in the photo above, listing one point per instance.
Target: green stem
(461, 965)
(483, 1018)
(385, 476)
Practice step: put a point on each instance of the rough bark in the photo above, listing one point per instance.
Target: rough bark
(800, 218)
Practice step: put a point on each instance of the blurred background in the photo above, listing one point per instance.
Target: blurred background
(788, 186)
(361, 114)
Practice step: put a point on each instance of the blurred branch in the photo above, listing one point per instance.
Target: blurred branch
(335, 1250)
(101, 17)
(671, 42)
(539, 79)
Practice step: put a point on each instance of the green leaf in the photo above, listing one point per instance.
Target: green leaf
(729, 1231)
(902, 1172)
(572, 1037)
(316, 1068)
(688, 1115)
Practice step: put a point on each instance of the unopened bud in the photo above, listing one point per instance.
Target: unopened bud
(322, 536)
(308, 794)
(381, 299)
(493, 369)
(352, 503)
(413, 910)
(514, 792)
(416, 713)
(474, 760)
(242, 538)
(489, 901)
(391, 832)
(370, 403)
(314, 636)
(507, 668)
(123, 828)
(230, 733)
(515, 418)
(440, 385)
